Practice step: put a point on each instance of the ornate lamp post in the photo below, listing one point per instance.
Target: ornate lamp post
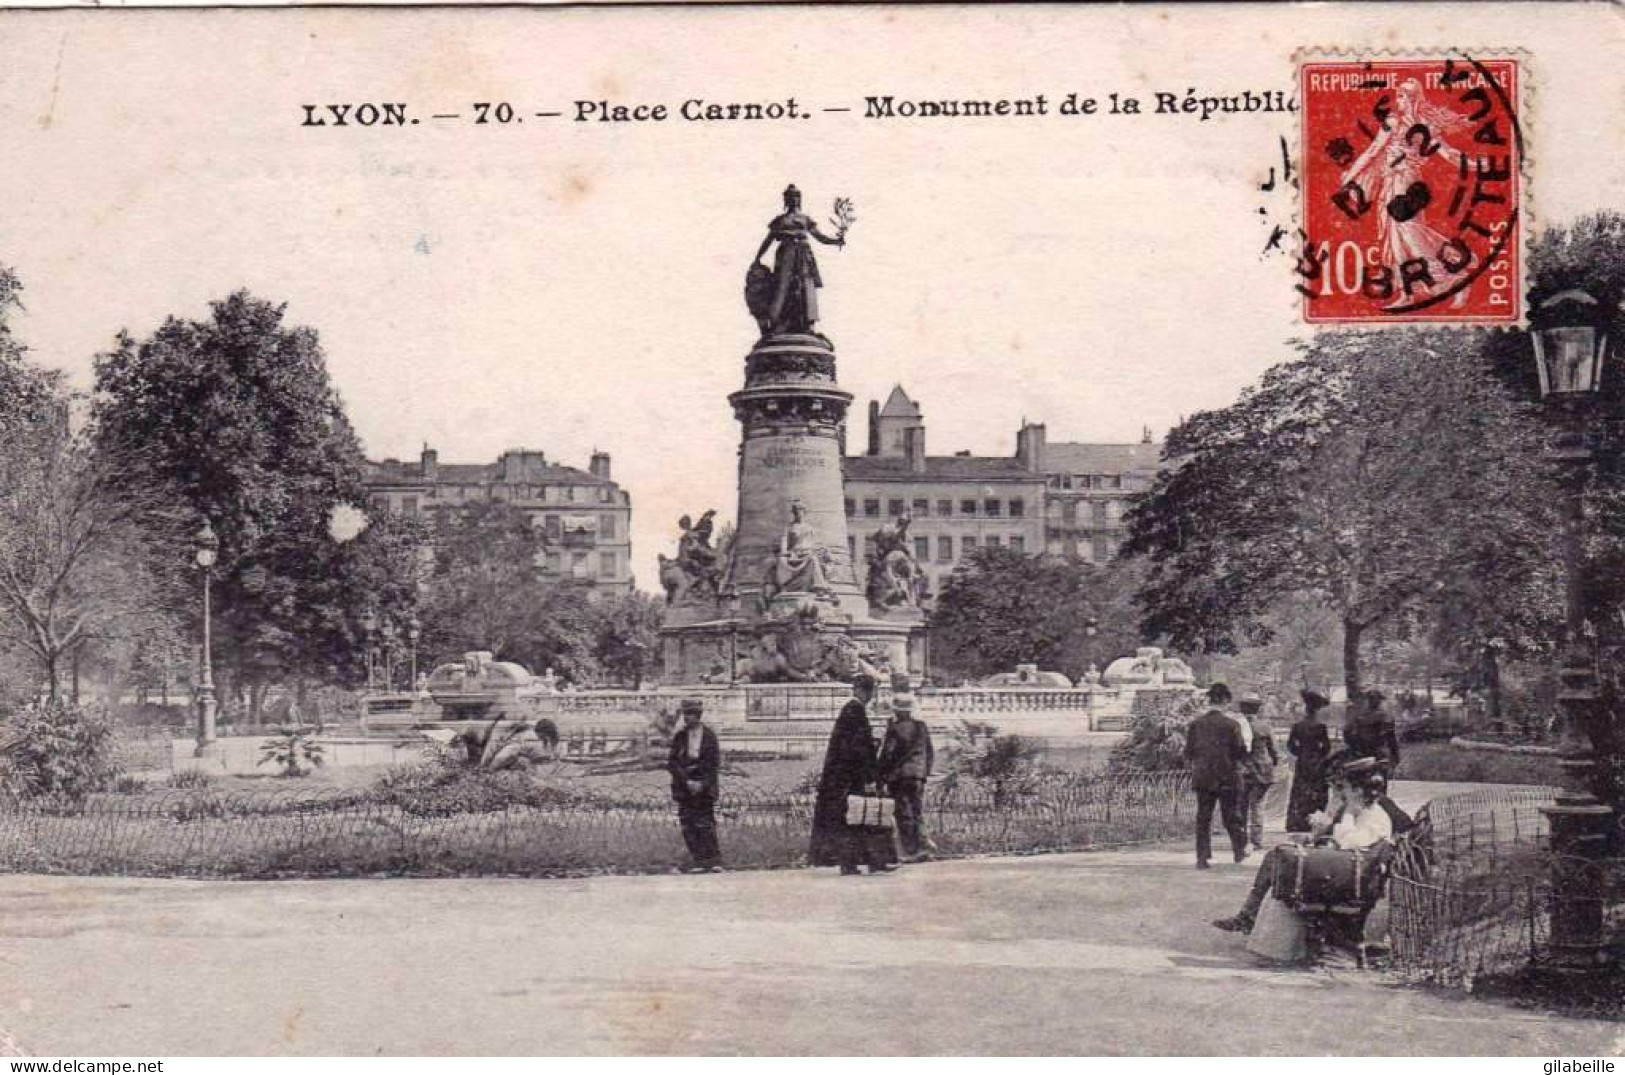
(414, 631)
(206, 552)
(389, 656)
(369, 627)
(1570, 346)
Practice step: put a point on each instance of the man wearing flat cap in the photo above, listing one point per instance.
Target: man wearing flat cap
(906, 756)
(695, 764)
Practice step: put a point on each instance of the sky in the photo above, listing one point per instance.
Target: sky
(572, 286)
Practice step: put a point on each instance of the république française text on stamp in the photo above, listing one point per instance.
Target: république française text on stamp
(1412, 185)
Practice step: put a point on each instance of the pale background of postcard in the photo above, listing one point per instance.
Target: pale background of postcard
(569, 286)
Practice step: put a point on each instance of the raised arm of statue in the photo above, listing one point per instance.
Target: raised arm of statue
(821, 237)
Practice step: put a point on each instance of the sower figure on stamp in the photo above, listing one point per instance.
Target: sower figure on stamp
(1215, 750)
(695, 765)
(906, 757)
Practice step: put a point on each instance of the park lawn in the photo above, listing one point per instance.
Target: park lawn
(1446, 763)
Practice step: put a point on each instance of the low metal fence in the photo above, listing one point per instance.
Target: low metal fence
(1471, 894)
(301, 832)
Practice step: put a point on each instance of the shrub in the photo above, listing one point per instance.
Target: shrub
(444, 787)
(189, 779)
(288, 748)
(58, 749)
(1156, 738)
(1006, 765)
(129, 785)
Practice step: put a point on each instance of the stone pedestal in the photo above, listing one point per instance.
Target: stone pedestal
(791, 413)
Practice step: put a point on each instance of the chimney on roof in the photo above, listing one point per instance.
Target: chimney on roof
(430, 463)
(874, 427)
(914, 448)
(599, 467)
(1030, 440)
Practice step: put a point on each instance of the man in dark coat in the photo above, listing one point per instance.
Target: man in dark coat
(1214, 749)
(906, 757)
(850, 769)
(695, 765)
(1370, 734)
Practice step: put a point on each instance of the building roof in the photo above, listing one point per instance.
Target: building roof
(937, 468)
(898, 405)
(1071, 458)
(393, 472)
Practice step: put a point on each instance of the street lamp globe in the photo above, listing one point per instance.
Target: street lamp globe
(208, 546)
(1570, 344)
(369, 621)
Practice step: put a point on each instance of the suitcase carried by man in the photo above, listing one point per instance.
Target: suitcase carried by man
(1327, 876)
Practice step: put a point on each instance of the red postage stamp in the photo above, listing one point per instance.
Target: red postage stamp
(1412, 186)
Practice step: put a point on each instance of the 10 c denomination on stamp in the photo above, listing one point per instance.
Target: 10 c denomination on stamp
(1413, 186)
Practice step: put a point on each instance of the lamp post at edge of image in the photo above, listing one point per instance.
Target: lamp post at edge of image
(206, 553)
(1570, 346)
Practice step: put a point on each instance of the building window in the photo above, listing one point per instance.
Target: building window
(851, 508)
(871, 508)
(967, 507)
(606, 527)
(993, 541)
(606, 565)
(894, 508)
(922, 548)
(1069, 511)
(967, 544)
(409, 505)
(852, 545)
(1018, 508)
(1097, 511)
(1018, 543)
(551, 527)
(1101, 550)
(922, 507)
(993, 508)
(945, 549)
(578, 565)
(554, 563)
(945, 508)
(1117, 481)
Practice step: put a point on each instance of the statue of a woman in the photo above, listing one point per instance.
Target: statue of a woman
(799, 567)
(785, 299)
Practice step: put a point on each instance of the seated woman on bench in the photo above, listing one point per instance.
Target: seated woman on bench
(1360, 822)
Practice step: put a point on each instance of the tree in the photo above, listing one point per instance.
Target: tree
(1372, 474)
(82, 556)
(1000, 608)
(237, 415)
(628, 644)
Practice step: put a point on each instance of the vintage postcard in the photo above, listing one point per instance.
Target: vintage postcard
(779, 530)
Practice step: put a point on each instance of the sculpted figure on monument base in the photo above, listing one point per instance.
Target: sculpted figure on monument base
(895, 579)
(784, 299)
(801, 561)
(696, 569)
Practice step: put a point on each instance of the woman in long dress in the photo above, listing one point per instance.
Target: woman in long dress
(850, 768)
(1310, 744)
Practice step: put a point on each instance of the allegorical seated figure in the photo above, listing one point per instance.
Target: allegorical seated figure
(895, 578)
(800, 564)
